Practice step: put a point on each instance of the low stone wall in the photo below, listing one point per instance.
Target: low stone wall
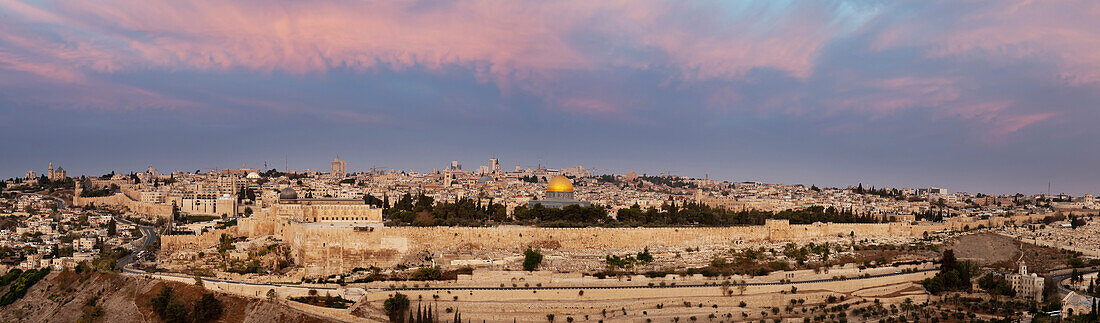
(260, 290)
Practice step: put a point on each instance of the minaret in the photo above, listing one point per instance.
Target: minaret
(49, 172)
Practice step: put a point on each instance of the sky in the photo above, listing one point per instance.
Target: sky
(977, 96)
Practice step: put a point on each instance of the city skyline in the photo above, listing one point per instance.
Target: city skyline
(991, 98)
(505, 167)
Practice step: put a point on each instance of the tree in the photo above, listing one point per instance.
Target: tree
(271, 294)
(176, 312)
(207, 309)
(531, 259)
(947, 262)
(112, 227)
(396, 306)
(1077, 222)
(160, 302)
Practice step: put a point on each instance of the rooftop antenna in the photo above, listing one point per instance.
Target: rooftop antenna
(1048, 188)
(286, 163)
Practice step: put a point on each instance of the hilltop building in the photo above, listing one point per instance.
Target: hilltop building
(55, 174)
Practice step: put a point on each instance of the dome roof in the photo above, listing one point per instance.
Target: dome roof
(288, 194)
(484, 179)
(253, 175)
(559, 183)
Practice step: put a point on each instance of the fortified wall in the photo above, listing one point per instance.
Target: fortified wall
(172, 244)
(335, 250)
(324, 250)
(121, 199)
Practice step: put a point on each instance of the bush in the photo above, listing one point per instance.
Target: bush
(427, 273)
(10, 276)
(19, 288)
(531, 259)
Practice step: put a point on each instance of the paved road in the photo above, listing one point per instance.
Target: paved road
(1060, 276)
(148, 237)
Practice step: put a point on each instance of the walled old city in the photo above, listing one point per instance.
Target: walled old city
(561, 244)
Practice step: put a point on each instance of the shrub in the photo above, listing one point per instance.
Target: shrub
(531, 259)
(427, 273)
(20, 286)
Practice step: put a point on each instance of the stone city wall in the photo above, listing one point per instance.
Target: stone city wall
(119, 199)
(171, 244)
(330, 250)
(261, 223)
(336, 250)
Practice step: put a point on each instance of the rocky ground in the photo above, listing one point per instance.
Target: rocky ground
(64, 297)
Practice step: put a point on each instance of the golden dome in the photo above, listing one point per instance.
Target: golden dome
(559, 184)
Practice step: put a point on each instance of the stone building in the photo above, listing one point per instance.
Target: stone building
(1077, 304)
(339, 168)
(331, 212)
(1027, 285)
(55, 174)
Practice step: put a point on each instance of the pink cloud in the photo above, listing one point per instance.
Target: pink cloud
(503, 40)
(1062, 33)
(879, 97)
(527, 46)
(1011, 124)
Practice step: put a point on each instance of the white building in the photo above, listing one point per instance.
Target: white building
(1026, 285)
(494, 165)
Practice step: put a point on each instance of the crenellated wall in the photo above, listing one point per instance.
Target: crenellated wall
(335, 250)
(329, 250)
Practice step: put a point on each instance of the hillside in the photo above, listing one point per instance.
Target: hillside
(110, 297)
